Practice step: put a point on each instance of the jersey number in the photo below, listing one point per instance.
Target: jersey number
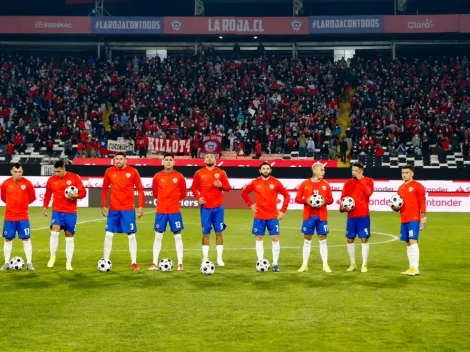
(277, 228)
(177, 224)
(132, 226)
(410, 233)
(325, 227)
(26, 232)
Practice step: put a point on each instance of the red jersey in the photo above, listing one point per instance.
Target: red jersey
(266, 192)
(17, 196)
(203, 186)
(360, 191)
(122, 182)
(413, 194)
(55, 188)
(169, 189)
(309, 188)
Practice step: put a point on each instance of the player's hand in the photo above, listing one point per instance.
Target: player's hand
(280, 215)
(395, 208)
(140, 212)
(422, 223)
(254, 208)
(73, 196)
(217, 183)
(201, 201)
(342, 209)
(104, 211)
(44, 211)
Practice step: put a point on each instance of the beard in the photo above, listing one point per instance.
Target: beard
(266, 174)
(210, 164)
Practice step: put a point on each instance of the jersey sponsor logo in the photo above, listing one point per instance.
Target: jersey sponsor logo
(69, 183)
(175, 180)
(128, 175)
(271, 186)
(23, 187)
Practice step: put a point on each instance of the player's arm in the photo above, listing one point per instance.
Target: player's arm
(183, 187)
(195, 186)
(47, 197)
(155, 187)
(285, 194)
(367, 186)
(246, 194)
(4, 193)
(329, 195)
(81, 188)
(299, 197)
(421, 197)
(225, 184)
(140, 191)
(31, 193)
(104, 192)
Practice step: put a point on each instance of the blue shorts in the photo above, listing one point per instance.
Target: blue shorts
(313, 223)
(358, 226)
(212, 218)
(175, 220)
(66, 221)
(10, 228)
(121, 221)
(409, 231)
(260, 226)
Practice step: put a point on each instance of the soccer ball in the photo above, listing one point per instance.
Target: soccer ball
(262, 265)
(165, 265)
(104, 265)
(16, 263)
(69, 190)
(316, 201)
(348, 203)
(207, 268)
(396, 201)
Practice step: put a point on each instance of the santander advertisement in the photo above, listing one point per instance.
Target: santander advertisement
(40, 192)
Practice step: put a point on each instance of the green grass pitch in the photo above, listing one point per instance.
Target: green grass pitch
(238, 309)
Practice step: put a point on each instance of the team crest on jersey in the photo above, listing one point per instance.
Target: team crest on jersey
(410, 189)
(323, 188)
(128, 175)
(23, 187)
(69, 183)
(216, 175)
(175, 180)
(271, 186)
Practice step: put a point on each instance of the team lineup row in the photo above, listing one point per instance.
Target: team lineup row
(209, 183)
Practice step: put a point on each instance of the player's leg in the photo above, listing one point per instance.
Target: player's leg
(413, 236)
(258, 229)
(322, 232)
(351, 232)
(70, 225)
(308, 230)
(56, 223)
(404, 237)
(218, 222)
(363, 230)
(206, 232)
(112, 226)
(176, 224)
(9, 232)
(129, 225)
(274, 232)
(24, 233)
(159, 227)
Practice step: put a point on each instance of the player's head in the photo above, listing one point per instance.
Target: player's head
(168, 161)
(209, 159)
(59, 168)
(120, 160)
(16, 171)
(357, 170)
(407, 173)
(318, 170)
(265, 169)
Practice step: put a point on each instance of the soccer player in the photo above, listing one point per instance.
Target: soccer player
(17, 193)
(169, 188)
(359, 188)
(315, 219)
(208, 185)
(413, 216)
(267, 215)
(64, 210)
(121, 215)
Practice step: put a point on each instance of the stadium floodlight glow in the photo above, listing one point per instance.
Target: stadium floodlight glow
(220, 37)
(255, 37)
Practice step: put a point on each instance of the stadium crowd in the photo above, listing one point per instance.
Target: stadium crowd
(269, 104)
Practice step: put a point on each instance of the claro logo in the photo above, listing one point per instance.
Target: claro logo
(41, 24)
(421, 25)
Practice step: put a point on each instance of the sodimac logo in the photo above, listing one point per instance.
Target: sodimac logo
(41, 24)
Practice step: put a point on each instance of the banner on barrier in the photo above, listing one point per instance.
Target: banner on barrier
(40, 192)
(211, 145)
(464, 23)
(164, 145)
(127, 25)
(346, 24)
(422, 24)
(236, 25)
(54, 25)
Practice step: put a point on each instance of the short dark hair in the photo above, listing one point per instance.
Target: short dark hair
(168, 154)
(121, 154)
(59, 163)
(408, 167)
(16, 166)
(265, 163)
(357, 164)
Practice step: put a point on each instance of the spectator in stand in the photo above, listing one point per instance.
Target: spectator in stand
(89, 147)
(334, 148)
(302, 144)
(10, 149)
(195, 145)
(80, 149)
(343, 150)
(258, 149)
(310, 145)
(466, 148)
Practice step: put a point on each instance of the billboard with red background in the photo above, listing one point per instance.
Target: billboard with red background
(54, 25)
(464, 23)
(422, 24)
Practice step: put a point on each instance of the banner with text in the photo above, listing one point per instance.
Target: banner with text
(211, 145)
(164, 145)
(422, 24)
(54, 25)
(127, 25)
(346, 24)
(464, 23)
(236, 25)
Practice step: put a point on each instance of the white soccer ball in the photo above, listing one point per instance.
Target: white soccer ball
(348, 203)
(316, 201)
(396, 201)
(165, 264)
(69, 190)
(207, 268)
(16, 263)
(104, 265)
(262, 265)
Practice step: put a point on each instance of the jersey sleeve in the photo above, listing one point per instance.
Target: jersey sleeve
(155, 186)
(48, 194)
(225, 184)
(104, 189)
(81, 189)
(246, 193)
(285, 194)
(4, 192)
(299, 197)
(367, 186)
(183, 187)
(421, 197)
(195, 185)
(140, 188)
(329, 195)
(31, 193)
(344, 192)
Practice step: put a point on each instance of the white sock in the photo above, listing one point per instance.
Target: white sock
(276, 251)
(260, 250)
(133, 247)
(220, 251)
(54, 242)
(205, 252)
(69, 248)
(108, 245)
(7, 247)
(179, 248)
(157, 246)
(306, 251)
(365, 253)
(351, 252)
(324, 252)
(415, 256)
(28, 251)
(409, 252)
